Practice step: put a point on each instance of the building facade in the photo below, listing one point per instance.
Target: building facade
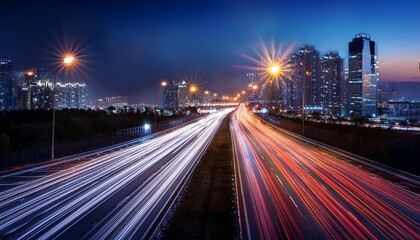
(303, 86)
(170, 95)
(331, 79)
(6, 88)
(71, 95)
(363, 77)
(182, 94)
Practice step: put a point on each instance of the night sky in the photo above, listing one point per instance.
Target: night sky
(128, 48)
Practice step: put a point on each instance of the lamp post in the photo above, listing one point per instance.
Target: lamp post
(303, 111)
(67, 61)
(193, 91)
(307, 73)
(206, 100)
(274, 70)
(163, 84)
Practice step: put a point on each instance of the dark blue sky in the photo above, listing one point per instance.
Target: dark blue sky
(128, 48)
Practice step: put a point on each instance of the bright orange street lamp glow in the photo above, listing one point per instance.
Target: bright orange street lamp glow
(206, 92)
(193, 89)
(255, 87)
(68, 60)
(163, 84)
(274, 69)
(243, 92)
(30, 73)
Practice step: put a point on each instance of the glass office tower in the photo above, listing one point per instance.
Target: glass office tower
(363, 77)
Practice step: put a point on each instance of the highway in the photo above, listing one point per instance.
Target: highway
(288, 189)
(122, 194)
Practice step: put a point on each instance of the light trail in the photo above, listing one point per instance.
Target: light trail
(293, 190)
(118, 195)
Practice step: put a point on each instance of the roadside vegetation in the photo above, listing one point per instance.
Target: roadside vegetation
(29, 129)
(206, 210)
(398, 149)
(25, 136)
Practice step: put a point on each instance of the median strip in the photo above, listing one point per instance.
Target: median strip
(206, 211)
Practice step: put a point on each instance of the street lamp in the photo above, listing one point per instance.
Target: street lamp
(193, 89)
(274, 71)
(67, 61)
(163, 84)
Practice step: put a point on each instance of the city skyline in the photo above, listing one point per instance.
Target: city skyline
(128, 49)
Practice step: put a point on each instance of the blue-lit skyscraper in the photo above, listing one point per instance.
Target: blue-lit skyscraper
(6, 89)
(331, 79)
(71, 95)
(363, 77)
(182, 94)
(170, 95)
(304, 82)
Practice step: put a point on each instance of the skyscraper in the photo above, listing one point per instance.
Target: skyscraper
(363, 76)
(5, 84)
(24, 90)
(252, 79)
(304, 82)
(182, 94)
(71, 95)
(170, 95)
(331, 78)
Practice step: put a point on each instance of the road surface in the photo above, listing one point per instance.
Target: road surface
(119, 195)
(287, 189)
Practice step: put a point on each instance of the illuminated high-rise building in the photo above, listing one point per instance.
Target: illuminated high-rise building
(253, 87)
(71, 95)
(363, 77)
(24, 89)
(170, 95)
(304, 79)
(331, 79)
(6, 90)
(41, 94)
(182, 94)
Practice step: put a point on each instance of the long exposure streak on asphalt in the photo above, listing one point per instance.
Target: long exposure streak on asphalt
(115, 196)
(292, 190)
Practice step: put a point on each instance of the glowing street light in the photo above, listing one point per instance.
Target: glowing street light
(193, 89)
(275, 69)
(68, 59)
(163, 83)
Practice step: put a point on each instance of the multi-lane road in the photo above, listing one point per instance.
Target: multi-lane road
(289, 189)
(118, 195)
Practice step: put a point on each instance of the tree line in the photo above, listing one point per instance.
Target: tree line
(30, 129)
